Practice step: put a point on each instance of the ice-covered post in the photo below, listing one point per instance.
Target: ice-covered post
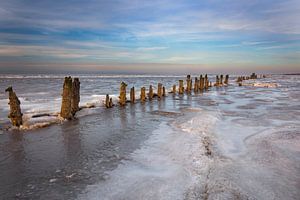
(66, 104)
(226, 79)
(132, 95)
(122, 97)
(15, 113)
(181, 88)
(188, 84)
(143, 94)
(221, 79)
(75, 96)
(150, 94)
(159, 90)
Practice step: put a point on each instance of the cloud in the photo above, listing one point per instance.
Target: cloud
(69, 53)
(255, 43)
(151, 48)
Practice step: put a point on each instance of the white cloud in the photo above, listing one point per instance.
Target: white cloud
(151, 48)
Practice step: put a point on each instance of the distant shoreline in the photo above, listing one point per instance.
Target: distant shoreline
(292, 74)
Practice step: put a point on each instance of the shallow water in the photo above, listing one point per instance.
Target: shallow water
(229, 143)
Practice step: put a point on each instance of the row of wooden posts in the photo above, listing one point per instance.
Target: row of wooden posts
(71, 95)
(240, 79)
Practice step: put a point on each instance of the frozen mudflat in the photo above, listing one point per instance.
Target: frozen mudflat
(229, 143)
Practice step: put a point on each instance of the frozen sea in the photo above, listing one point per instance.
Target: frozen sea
(227, 143)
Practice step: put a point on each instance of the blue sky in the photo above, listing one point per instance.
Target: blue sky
(150, 36)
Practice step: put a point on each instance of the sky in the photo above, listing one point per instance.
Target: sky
(150, 36)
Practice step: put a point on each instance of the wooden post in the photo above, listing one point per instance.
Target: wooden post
(111, 103)
(174, 90)
(143, 94)
(188, 84)
(226, 79)
(239, 79)
(164, 92)
(122, 97)
(15, 113)
(253, 76)
(217, 81)
(75, 96)
(159, 90)
(66, 105)
(107, 101)
(132, 95)
(196, 85)
(150, 94)
(206, 82)
(181, 88)
(191, 86)
(201, 84)
(221, 79)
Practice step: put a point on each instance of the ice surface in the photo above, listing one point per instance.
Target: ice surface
(229, 143)
(169, 165)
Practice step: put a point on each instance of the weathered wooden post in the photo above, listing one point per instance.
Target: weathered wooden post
(253, 76)
(107, 101)
(66, 105)
(221, 79)
(122, 97)
(206, 82)
(15, 113)
(217, 81)
(75, 96)
(200, 81)
(210, 84)
(132, 95)
(239, 79)
(143, 94)
(226, 79)
(201, 84)
(164, 91)
(111, 103)
(174, 90)
(181, 88)
(196, 85)
(150, 94)
(188, 84)
(159, 90)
